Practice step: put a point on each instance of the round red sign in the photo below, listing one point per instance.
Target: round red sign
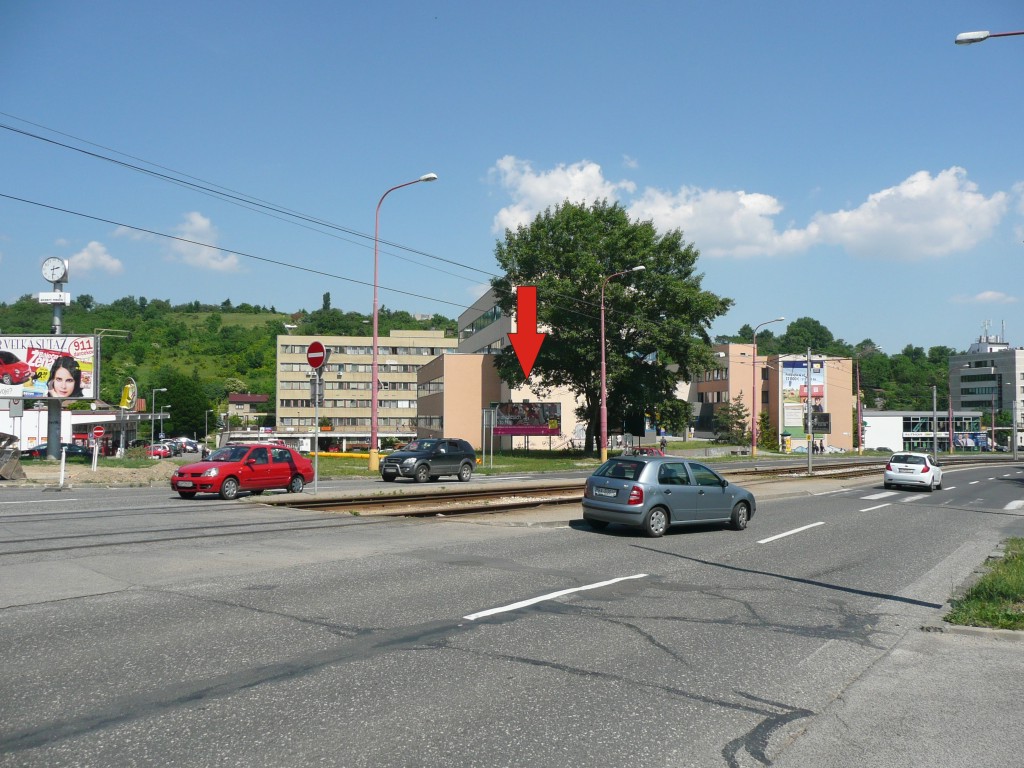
(97, 432)
(315, 354)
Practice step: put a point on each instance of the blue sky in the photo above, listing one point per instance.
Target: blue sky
(843, 162)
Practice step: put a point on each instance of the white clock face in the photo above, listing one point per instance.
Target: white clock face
(54, 269)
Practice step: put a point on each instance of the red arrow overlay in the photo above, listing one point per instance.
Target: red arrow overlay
(526, 341)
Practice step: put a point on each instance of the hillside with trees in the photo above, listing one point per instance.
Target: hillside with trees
(201, 353)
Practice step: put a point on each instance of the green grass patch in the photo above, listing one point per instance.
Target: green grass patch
(997, 599)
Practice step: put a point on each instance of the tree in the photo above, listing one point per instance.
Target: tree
(767, 436)
(653, 318)
(731, 420)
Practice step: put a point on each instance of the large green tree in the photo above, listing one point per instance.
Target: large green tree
(652, 318)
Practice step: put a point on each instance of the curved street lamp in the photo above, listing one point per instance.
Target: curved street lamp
(968, 38)
(604, 379)
(755, 392)
(374, 463)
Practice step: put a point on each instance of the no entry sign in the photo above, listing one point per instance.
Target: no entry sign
(97, 432)
(315, 355)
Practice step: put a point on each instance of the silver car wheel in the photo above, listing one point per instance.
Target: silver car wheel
(656, 523)
(740, 516)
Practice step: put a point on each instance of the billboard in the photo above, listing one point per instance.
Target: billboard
(528, 419)
(38, 367)
(794, 395)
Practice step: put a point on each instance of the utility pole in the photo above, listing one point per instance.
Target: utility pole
(810, 425)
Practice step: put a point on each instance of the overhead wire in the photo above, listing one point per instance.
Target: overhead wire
(257, 205)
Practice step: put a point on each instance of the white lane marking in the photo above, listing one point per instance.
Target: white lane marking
(881, 495)
(911, 499)
(877, 506)
(1018, 504)
(39, 501)
(826, 493)
(974, 482)
(549, 596)
(789, 533)
(950, 488)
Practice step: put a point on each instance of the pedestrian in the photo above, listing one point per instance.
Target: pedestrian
(664, 443)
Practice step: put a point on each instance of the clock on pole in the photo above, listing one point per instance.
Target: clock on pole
(55, 269)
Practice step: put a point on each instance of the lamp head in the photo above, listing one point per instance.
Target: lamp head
(966, 38)
(639, 268)
(428, 177)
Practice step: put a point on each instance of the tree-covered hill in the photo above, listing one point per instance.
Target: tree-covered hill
(199, 352)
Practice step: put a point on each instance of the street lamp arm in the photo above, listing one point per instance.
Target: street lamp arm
(969, 38)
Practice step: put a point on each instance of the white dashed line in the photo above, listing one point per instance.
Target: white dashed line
(549, 596)
(789, 533)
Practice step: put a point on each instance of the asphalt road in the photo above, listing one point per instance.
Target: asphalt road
(244, 635)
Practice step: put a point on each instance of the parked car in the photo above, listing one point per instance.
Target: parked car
(429, 459)
(72, 451)
(646, 450)
(160, 451)
(244, 467)
(655, 492)
(13, 370)
(914, 469)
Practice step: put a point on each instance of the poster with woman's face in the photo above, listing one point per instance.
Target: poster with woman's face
(58, 367)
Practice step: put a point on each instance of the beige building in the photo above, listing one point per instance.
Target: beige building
(345, 413)
(483, 332)
(779, 385)
(454, 391)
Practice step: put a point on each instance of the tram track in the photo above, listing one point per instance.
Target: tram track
(336, 511)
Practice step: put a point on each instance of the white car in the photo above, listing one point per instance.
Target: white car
(916, 469)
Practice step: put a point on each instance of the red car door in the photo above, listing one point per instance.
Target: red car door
(260, 469)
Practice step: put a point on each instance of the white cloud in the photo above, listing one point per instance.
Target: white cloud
(95, 257)
(922, 217)
(201, 251)
(630, 162)
(720, 223)
(986, 297)
(533, 192)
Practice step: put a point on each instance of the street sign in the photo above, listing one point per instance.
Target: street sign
(315, 355)
(97, 432)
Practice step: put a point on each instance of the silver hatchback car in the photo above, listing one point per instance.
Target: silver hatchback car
(655, 492)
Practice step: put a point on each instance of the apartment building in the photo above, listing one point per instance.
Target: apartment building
(345, 413)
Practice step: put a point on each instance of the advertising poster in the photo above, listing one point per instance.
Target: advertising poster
(41, 367)
(794, 396)
(528, 419)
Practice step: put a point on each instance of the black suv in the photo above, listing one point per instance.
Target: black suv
(430, 458)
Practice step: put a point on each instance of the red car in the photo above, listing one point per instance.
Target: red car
(251, 467)
(159, 451)
(648, 451)
(13, 370)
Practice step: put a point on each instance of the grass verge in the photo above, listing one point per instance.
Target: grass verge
(997, 599)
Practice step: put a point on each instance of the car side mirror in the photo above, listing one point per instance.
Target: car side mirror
(725, 483)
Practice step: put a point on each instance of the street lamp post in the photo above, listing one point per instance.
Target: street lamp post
(152, 418)
(967, 38)
(206, 428)
(374, 463)
(604, 369)
(755, 391)
(1013, 415)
